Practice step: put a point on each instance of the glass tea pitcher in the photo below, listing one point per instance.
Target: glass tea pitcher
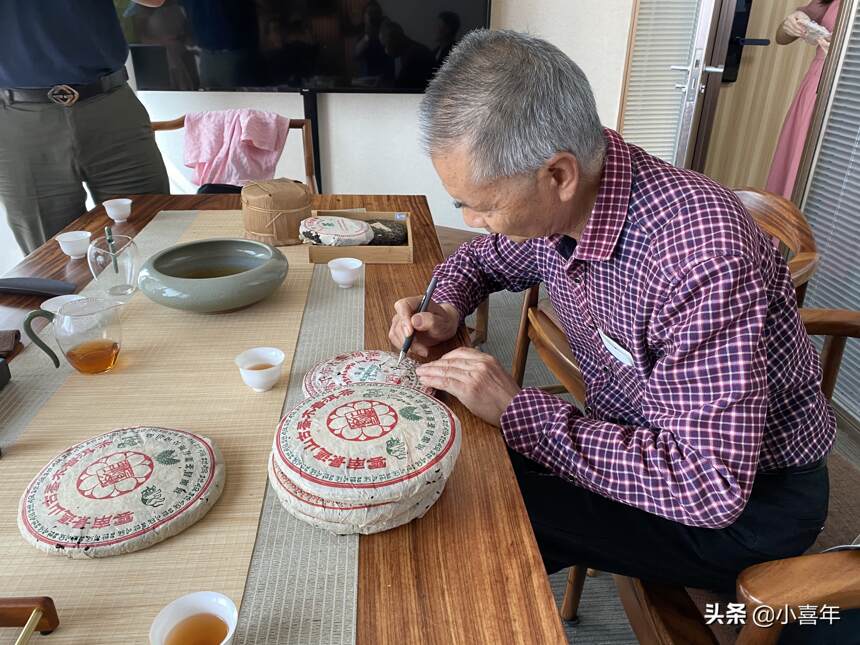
(87, 330)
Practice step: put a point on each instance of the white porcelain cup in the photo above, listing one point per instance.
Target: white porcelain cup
(201, 602)
(75, 243)
(345, 271)
(260, 380)
(118, 209)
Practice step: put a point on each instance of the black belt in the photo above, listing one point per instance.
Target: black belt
(66, 94)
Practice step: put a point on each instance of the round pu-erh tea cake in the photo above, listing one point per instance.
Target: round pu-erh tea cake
(412, 512)
(368, 443)
(121, 492)
(349, 517)
(367, 366)
(335, 231)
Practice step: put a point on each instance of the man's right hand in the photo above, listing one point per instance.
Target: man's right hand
(436, 325)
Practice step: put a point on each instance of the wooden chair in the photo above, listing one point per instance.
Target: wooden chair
(295, 124)
(668, 616)
(450, 240)
(781, 219)
(33, 614)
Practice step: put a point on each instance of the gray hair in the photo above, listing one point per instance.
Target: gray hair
(515, 100)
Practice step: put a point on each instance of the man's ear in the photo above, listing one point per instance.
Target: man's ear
(565, 173)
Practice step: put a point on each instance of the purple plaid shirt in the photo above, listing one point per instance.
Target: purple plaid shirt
(715, 377)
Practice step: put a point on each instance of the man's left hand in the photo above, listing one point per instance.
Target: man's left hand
(477, 379)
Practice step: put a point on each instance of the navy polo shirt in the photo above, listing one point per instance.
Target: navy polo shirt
(49, 42)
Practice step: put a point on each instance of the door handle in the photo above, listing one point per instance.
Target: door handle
(679, 68)
(713, 69)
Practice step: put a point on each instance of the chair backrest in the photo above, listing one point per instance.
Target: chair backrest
(295, 124)
(780, 218)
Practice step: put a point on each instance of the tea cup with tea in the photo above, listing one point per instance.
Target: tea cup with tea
(205, 616)
(87, 330)
(260, 367)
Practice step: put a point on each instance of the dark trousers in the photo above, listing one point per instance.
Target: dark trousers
(783, 517)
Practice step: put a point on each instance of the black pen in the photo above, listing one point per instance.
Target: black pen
(425, 302)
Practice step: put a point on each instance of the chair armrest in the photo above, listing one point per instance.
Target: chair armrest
(816, 579)
(802, 266)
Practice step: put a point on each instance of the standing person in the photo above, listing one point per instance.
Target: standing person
(701, 449)
(67, 116)
(792, 138)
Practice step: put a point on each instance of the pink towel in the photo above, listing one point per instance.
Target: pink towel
(234, 146)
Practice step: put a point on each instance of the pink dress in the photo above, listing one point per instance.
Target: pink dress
(789, 148)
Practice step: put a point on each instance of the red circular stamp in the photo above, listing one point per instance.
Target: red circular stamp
(118, 473)
(362, 420)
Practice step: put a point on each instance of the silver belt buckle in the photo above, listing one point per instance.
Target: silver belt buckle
(63, 95)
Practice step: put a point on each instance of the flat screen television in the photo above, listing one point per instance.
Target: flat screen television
(293, 45)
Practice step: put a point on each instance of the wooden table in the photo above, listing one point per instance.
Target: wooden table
(469, 571)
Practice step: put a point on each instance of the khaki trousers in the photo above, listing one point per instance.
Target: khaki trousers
(47, 153)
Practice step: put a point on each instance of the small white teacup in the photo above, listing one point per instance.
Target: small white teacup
(345, 271)
(260, 367)
(75, 243)
(201, 602)
(118, 209)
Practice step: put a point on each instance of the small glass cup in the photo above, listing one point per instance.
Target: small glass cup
(115, 270)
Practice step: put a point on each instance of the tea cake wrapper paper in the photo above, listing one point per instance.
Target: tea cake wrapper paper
(121, 492)
(329, 230)
(368, 443)
(349, 517)
(367, 366)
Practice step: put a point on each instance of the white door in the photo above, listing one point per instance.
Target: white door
(663, 86)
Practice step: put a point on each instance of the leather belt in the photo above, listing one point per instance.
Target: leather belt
(66, 95)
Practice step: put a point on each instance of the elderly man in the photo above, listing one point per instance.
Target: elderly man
(701, 448)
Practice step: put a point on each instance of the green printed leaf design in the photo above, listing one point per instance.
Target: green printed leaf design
(167, 458)
(395, 448)
(409, 413)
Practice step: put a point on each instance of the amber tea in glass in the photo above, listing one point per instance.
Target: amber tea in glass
(87, 330)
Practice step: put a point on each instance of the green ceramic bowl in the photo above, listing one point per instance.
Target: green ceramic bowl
(213, 275)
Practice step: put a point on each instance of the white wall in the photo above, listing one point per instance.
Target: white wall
(369, 142)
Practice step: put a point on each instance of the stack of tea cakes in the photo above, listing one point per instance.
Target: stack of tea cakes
(362, 457)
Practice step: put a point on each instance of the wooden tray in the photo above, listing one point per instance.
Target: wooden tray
(401, 254)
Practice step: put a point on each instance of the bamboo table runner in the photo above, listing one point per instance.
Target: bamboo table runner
(303, 582)
(175, 370)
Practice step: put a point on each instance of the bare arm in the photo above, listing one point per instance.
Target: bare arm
(792, 28)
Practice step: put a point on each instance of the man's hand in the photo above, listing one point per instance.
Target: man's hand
(434, 326)
(477, 379)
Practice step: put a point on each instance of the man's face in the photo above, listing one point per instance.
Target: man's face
(520, 207)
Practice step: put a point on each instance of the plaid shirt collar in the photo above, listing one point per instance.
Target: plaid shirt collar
(603, 227)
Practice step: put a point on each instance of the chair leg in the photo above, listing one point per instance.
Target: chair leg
(521, 349)
(482, 319)
(573, 593)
